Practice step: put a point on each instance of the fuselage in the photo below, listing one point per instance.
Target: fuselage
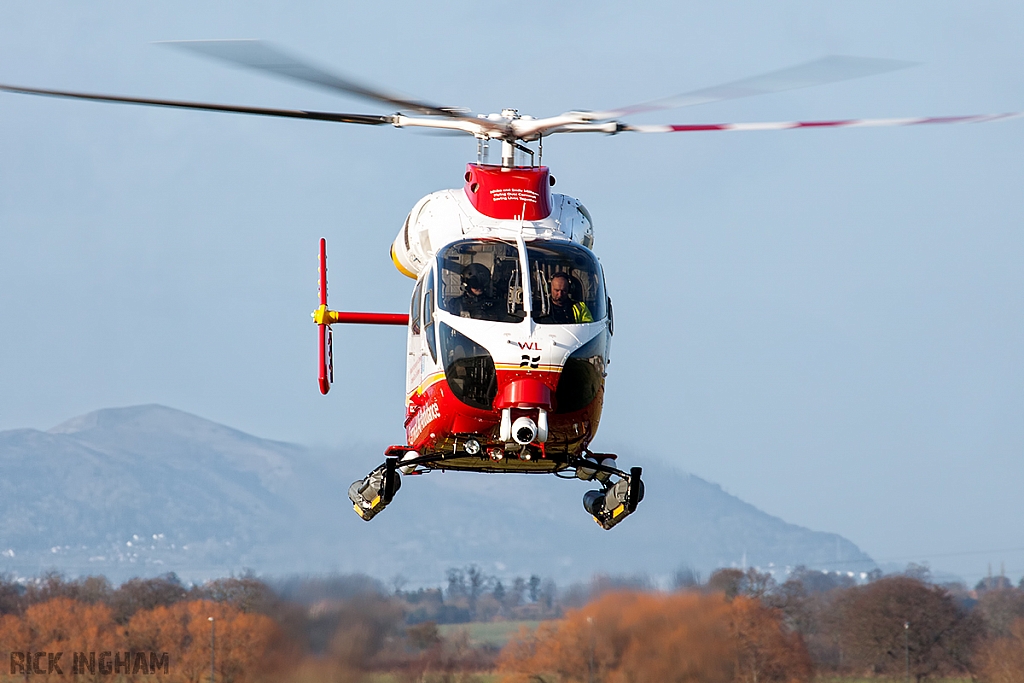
(504, 371)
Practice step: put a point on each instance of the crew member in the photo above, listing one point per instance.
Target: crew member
(474, 301)
(564, 310)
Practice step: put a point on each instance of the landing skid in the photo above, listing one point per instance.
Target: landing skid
(618, 497)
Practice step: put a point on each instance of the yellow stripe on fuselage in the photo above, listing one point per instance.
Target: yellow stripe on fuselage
(432, 379)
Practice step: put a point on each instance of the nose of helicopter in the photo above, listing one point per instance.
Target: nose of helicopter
(524, 393)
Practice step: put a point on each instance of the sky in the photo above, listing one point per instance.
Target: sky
(827, 323)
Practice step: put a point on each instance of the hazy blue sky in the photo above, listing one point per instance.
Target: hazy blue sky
(828, 323)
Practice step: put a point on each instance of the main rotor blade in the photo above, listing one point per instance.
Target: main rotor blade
(818, 72)
(261, 56)
(365, 119)
(841, 123)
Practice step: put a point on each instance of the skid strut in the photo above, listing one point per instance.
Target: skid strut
(391, 482)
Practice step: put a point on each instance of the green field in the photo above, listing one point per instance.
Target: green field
(495, 633)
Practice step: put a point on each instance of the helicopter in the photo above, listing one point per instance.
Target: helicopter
(510, 324)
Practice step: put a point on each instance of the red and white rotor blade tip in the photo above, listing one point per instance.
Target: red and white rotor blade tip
(326, 352)
(840, 123)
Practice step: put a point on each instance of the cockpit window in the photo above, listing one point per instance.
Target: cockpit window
(481, 279)
(414, 311)
(566, 283)
(428, 314)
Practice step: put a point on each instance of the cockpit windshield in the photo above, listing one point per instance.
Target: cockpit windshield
(480, 279)
(566, 284)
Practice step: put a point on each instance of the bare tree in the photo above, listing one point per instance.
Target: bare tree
(476, 584)
(733, 582)
(456, 584)
(726, 581)
(145, 594)
(685, 578)
(898, 619)
(534, 588)
(1000, 608)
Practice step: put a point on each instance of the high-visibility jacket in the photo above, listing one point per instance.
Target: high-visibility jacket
(581, 314)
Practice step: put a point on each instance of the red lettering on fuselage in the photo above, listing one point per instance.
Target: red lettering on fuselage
(423, 417)
(533, 346)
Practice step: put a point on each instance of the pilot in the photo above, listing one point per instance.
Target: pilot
(474, 301)
(565, 311)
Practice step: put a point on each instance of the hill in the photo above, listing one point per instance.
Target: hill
(147, 489)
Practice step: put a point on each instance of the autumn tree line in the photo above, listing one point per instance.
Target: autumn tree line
(737, 626)
(55, 629)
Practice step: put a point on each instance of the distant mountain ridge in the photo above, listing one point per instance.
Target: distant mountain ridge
(147, 489)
